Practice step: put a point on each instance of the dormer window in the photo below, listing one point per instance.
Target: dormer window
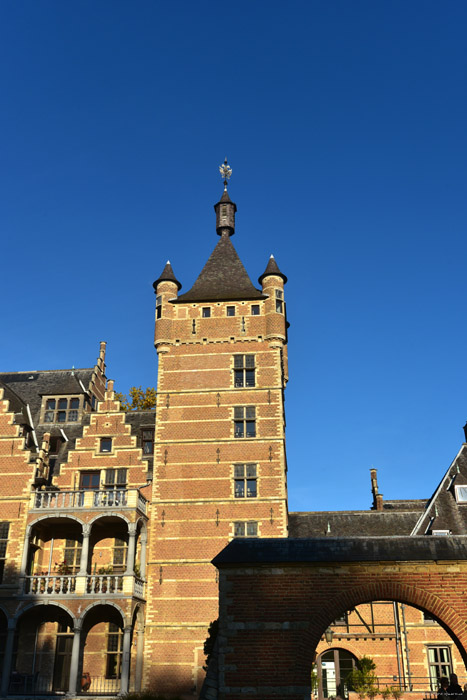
(62, 410)
(461, 494)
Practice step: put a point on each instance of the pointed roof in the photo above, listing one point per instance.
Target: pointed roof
(272, 268)
(167, 275)
(223, 278)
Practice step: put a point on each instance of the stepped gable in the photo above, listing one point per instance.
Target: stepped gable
(222, 278)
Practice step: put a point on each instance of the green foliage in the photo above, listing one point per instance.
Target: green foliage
(314, 679)
(386, 693)
(396, 692)
(363, 679)
(138, 399)
(210, 641)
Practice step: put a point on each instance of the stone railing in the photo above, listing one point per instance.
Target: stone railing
(72, 500)
(138, 588)
(104, 583)
(49, 584)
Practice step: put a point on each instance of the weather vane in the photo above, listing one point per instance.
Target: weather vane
(226, 171)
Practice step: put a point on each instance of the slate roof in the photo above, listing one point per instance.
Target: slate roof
(31, 386)
(223, 278)
(443, 512)
(372, 523)
(272, 268)
(341, 549)
(168, 275)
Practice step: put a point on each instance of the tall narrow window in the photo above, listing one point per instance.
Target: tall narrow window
(119, 554)
(4, 530)
(72, 555)
(279, 301)
(148, 442)
(158, 306)
(245, 481)
(244, 370)
(114, 651)
(115, 487)
(244, 421)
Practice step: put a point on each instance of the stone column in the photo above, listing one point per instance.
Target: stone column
(126, 653)
(139, 657)
(75, 654)
(130, 562)
(24, 558)
(6, 669)
(144, 542)
(83, 562)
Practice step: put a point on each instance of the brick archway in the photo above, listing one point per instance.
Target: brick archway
(277, 597)
(393, 590)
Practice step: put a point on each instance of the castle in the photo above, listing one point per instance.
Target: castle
(110, 520)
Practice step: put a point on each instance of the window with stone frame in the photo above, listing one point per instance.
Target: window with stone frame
(158, 306)
(244, 421)
(245, 529)
(120, 550)
(231, 311)
(244, 370)
(255, 310)
(105, 444)
(206, 312)
(279, 301)
(4, 531)
(439, 664)
(115, 484)
(72, 555)
(147, 441)
(113, 667)
(62, 409)
(245, 480)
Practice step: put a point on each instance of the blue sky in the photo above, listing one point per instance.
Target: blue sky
(345, 125)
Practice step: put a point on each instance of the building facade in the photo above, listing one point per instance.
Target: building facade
(109, 521)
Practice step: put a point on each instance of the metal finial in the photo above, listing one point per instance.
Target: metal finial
(226, 171)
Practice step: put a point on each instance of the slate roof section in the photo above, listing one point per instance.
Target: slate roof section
(443, 512)
(223, 278)
(167, 275)
(31, 386)
(16, 403)
(370, 523)
(254, 551)
(272, 268)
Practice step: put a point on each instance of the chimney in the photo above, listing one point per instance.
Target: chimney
(377, 497)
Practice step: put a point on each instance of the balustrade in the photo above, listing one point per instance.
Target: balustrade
(106, 498)
(104, 583)
(49, 584)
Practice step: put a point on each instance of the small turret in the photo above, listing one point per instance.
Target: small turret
(225, 209)
(272, 281)
(166, 288)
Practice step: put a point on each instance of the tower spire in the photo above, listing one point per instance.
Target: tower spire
(225, 209)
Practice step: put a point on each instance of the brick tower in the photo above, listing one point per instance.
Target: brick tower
(219, 462)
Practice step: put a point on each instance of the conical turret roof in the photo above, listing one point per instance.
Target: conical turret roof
(272, 268)
(223, 278)
(167, 275)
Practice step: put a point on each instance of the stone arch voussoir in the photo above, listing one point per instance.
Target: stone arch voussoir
(49, 604)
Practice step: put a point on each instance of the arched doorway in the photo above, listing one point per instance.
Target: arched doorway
(332, 669)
